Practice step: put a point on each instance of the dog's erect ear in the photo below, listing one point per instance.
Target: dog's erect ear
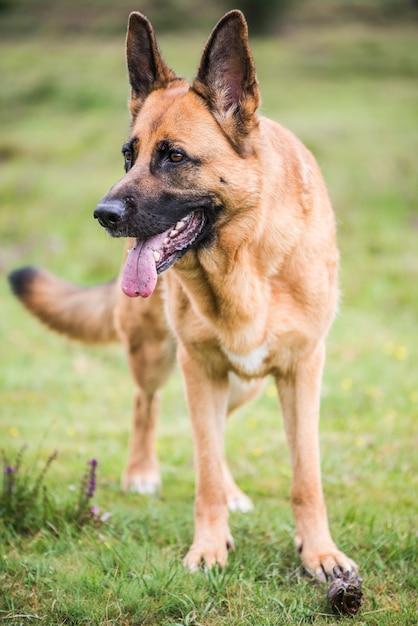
(227, 79)
(147, 68)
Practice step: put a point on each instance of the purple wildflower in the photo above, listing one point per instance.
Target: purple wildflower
(91, 479)
(9, 479)
(86, 509)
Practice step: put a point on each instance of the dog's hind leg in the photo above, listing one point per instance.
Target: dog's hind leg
(150, 350)
(240, 392)
(142, 474)
(236, 498)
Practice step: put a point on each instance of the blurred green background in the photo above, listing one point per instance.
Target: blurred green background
(106, 17)
(342, 75)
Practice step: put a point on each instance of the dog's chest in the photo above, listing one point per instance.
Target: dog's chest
(252, 363)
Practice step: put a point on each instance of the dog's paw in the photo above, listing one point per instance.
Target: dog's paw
(323, 561)
(240, 502)
(142, 484)
(203, 555)
(237, 500)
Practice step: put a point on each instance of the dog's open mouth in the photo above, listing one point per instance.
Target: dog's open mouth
(154, 255)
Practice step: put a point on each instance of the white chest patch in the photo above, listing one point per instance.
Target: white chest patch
(251, 362)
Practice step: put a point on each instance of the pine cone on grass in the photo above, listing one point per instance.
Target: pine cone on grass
(344, 593)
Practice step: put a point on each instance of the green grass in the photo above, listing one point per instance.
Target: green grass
(350, 94)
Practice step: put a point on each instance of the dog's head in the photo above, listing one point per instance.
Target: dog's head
(183, 138)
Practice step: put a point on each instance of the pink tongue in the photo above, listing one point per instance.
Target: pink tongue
(139, 275)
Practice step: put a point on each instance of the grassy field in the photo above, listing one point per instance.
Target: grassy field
(350, 93)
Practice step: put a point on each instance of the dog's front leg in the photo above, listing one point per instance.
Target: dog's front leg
(207, 399)
(300, 397)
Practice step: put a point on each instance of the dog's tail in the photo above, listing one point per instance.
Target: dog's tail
(84, 313)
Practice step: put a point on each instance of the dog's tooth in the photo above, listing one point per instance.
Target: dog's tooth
(174, 232)
(157, 255)
(166, 241)
(179, 225)
(128, 250)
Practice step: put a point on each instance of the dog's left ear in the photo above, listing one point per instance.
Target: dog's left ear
(147, 68)
(227, 79)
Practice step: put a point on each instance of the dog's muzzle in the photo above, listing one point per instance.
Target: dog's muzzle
(109, 213)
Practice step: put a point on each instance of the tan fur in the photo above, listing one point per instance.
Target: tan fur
(103, 314)
(257, 301)
(86, 314)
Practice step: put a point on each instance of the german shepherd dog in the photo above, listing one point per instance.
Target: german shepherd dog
(232, 252)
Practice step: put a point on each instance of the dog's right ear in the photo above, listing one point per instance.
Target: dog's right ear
(227, 79)
(147, 68)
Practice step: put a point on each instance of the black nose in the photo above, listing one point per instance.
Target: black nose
(109, 213)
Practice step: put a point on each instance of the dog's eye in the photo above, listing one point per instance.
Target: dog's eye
(127, 155)
(168, 155)
(176, 157)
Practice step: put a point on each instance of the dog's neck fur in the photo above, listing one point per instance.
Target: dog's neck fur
(223, 296)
